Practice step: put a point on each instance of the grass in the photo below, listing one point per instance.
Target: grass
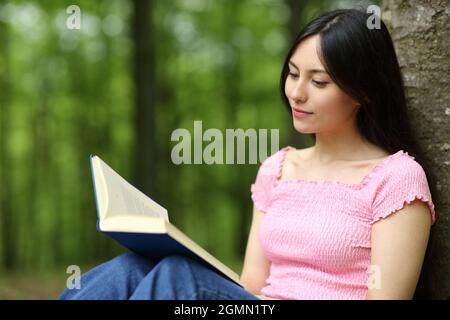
(34, 286)
(31, 287)
(46, 285)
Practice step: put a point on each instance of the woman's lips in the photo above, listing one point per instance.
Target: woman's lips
(299, 113)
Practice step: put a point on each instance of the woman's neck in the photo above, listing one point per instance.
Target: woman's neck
(331, 148)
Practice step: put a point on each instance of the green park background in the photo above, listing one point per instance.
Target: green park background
(118, 87)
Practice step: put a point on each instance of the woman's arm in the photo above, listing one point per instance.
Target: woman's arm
(256, 266)
(399, 242)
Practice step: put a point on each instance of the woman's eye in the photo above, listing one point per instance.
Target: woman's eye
(320, 84)
(293, 75)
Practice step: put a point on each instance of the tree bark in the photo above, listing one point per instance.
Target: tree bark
(421, 33)
(6, 213)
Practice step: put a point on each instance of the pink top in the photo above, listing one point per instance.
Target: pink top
(317, 233)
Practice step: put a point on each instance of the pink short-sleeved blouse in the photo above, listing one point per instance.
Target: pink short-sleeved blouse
(317, 233)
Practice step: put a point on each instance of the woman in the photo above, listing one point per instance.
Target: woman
(333, 221)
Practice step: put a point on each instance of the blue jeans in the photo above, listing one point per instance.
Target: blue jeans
(133, 277)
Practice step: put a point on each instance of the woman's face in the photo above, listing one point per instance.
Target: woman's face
(309, 88)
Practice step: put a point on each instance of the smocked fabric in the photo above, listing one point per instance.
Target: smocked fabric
(317, 233)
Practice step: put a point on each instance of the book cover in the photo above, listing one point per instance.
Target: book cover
(140, 224)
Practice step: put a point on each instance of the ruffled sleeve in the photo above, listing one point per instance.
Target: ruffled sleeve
(400, 186)
(261, 190)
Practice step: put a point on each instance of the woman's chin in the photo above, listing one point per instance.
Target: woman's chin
(301, 128)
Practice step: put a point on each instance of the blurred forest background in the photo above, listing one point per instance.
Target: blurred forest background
(118, 87)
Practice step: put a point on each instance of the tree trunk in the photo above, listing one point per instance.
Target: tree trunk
(146, 152)
(6, 214)
(233, 95)
(421, 33)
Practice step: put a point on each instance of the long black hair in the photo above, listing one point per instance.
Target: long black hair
(363, 63)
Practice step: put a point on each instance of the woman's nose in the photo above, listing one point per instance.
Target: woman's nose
(298, 92)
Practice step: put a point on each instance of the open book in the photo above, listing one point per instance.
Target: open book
(140, 224)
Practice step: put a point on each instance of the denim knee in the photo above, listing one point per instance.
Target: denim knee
(174, 262)
(132, 261)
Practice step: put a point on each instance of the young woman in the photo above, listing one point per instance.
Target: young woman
(348, 218)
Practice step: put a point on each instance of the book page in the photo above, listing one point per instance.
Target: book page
(182, 238)
(134, 224)
(125, 199)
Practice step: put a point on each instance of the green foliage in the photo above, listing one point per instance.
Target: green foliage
(68, 93)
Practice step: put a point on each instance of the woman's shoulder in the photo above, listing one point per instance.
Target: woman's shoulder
(400, 163)
(400, 169)
(272, 164)
(291, 153)
(403, 179)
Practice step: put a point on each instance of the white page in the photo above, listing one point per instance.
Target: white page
(123, 198)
